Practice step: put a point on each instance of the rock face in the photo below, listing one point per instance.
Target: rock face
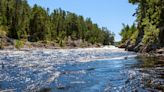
(160, 51)
(5, 41)
(130, 48)
(122, 46)
(125, 45)
(140, 47)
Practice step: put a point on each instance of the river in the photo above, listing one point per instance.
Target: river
(79, 70)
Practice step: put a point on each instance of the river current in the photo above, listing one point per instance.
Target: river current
(79, 70)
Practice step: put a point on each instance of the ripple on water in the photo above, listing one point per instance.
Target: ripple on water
(71, 70)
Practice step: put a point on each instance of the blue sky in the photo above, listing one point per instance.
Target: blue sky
(106, 13)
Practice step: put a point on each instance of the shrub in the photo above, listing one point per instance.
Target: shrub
(151, 34)
(1, 45)
(3, 32)
(134, 37)
(19, 44)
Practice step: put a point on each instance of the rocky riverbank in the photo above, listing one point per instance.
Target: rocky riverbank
(8, 43)
(142, 50)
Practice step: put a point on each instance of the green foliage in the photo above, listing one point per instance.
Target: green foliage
(1, 19)
(134, 37)
(16, 12)
(125, 33)
(1, 45)
(150, 21)
(3, 31)
(109, 37)
(133, 1)
(38, 24)
(61, 39)
(151, 34)
(128, 33)
(19, 44)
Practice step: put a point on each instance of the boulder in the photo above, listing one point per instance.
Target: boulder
(160, 51)
(138, 47)
(122, 46)
(130, 48)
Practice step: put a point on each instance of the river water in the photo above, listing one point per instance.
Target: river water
(79, 70)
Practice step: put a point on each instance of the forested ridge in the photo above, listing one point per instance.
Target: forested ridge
(147, 34)
(36, 24)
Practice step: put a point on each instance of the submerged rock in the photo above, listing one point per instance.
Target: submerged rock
(62, 87)
(3, 66)
(45, 90)
(126, 58)
(90, 69)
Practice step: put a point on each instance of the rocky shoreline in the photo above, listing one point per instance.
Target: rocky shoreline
(159, 53)
(147, 50)
(8, 43)
(144, 51)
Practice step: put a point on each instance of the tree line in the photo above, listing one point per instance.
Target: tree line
(20, 21)
(149, 29)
